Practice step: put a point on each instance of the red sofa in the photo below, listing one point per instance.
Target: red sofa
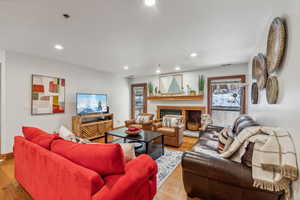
(49, 176)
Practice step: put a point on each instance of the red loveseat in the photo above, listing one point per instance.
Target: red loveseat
(49, 176)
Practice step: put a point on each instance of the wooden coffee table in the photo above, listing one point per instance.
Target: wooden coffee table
(146, 138)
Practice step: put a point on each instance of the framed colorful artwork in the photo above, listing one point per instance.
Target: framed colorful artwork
(48, 95)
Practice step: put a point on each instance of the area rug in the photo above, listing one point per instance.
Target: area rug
(189, 133)
(167, 164)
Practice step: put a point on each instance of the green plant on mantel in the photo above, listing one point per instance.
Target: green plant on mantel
(201, 84)
(151, 88)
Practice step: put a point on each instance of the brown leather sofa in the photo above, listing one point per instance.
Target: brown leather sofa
(210, 177)
(172, 136)
(145, 126)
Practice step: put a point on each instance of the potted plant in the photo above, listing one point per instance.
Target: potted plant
(150, 88)
(201, 84)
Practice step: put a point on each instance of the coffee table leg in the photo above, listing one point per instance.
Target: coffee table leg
(106, 139)
(163, 144)
(147, 147)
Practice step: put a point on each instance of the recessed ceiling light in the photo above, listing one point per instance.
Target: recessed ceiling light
(193, 55)
(158, 71)
(177, 68)
(58, 47)
(126, 67)
(150, 3)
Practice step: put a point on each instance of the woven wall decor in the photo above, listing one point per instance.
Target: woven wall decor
(272, 90)
(254, 93)
(259, 70)
(276, 44)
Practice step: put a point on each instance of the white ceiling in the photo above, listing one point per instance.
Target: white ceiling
(108, 34)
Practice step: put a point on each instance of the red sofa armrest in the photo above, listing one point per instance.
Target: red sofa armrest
(139, 182)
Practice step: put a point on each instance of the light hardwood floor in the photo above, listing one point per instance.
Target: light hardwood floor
(172, 189)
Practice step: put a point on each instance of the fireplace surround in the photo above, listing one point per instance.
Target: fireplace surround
(191, 114)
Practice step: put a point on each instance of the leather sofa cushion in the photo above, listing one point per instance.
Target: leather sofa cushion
(217, 168)
(39, 136)
(167, 131)
(206, 144)
(106, 159)
(209, 136)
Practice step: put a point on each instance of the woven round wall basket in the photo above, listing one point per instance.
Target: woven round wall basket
(259, 70)
(272, 90)
(276, 44)
(254, 93)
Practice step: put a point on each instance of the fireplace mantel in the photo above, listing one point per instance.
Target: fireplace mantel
(175, 98)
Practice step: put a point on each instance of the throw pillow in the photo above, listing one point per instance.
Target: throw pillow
(129, 151)
(66, 134)
(245, 124)
(106, 159)
(238, 120)
(171, 122)
(142, 119)
(39, 137)
(225, 140)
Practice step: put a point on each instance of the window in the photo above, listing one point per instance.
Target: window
(226, 99)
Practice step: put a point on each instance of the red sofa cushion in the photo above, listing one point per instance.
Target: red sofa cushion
(39, 137)
(106, 159)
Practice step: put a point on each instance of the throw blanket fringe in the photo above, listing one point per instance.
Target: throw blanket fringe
(282, 185)
(274, 161)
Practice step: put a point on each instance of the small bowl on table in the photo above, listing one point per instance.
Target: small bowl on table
(133, 131)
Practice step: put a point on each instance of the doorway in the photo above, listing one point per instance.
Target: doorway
(226, 98)
(138, 99)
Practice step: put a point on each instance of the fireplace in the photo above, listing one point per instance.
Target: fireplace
(193, 120)
(164, 112)
(191, 114)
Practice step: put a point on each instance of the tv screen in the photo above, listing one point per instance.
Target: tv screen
(91, 103)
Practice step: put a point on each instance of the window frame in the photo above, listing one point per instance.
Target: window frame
(209, 95)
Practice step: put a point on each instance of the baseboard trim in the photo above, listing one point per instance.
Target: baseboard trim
(6, 156)
(119, 127)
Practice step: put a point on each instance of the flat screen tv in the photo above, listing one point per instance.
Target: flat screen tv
(91, 103)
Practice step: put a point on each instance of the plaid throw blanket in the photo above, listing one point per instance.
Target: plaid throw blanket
(274, 161)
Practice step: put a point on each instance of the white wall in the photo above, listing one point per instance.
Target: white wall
(191, 78)
(286, 113)
(19, 69)
(2, 96)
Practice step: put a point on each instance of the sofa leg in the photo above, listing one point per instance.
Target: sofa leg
(191, 195)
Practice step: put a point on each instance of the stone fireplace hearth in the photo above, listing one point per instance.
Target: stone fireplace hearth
(191, 114)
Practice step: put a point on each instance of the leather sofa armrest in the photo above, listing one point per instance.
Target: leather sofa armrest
(147, 123)
(157, 125)
(129, 122)
(217, 168)
(179, 128)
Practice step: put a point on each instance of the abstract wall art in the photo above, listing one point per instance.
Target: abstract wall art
(48, 95)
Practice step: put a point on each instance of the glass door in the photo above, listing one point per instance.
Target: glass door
(138, 99)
